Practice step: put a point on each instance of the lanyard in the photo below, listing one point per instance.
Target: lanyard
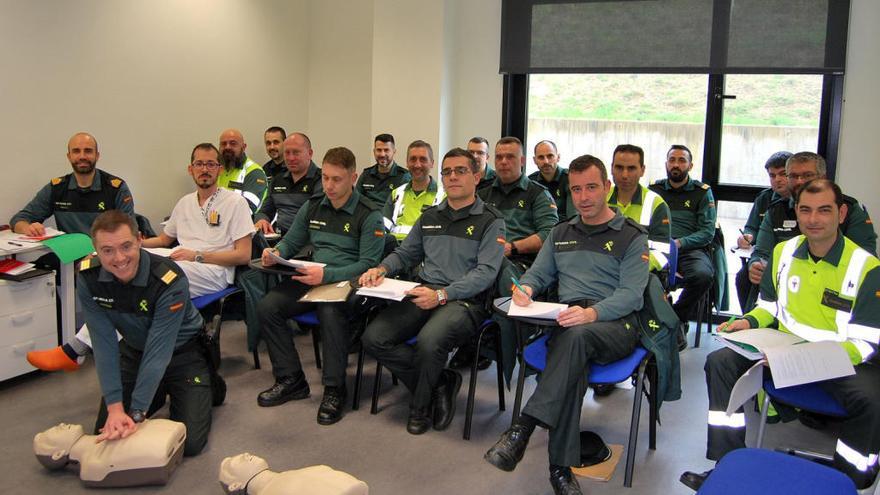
(206, 211)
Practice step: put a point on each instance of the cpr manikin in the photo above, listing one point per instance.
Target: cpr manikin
(146, 457)
(247, 474)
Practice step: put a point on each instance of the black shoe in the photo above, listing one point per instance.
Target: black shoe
(812, 420)
(694, 480)
(418, 421)
(603, 389)
(563, 482)
(462, 357)
(483, 363)
(509, 449)
(286, 388)
(332, 405)
(444, 399)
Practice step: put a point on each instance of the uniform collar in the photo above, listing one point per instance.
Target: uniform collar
(140, 278)
(833, 256)
(636, 199)
(395, 169)
(96, 182)
(688, 186)
(522, 183)
(432, 186)
(476, 207)
(557, 175)
(349, 205)
(490, 173)
(616, 222)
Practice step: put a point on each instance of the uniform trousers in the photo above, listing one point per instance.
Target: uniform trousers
(859, 394)
(696, 267)
(335, 319)
(187, 380)
(558, 399)
(439, 330)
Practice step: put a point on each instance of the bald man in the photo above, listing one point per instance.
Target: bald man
(240, 174)
(290, 188)
(75, 199)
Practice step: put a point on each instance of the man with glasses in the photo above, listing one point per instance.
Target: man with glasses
(780, 221)
(213, 227)
(457, 243)
(478, 147)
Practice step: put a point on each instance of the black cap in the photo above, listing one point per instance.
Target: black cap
(593, 449)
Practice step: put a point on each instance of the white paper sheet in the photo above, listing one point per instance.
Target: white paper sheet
(746, 387)
(390, 288)
(808, 362)
(293, 263)
(537, 309)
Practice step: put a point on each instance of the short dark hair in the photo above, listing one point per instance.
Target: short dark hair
(551, 143)
(275, 128)
(418, 143)
(820, 185)
(385, 138)
(510, 140)
(341, 157)
(584, 162)
(807, 156)
(684, 148)
(203, 147)
(479, 140)
(111, 220)
(454, 152)
(777, 160)
(629, 148)
(304, 137)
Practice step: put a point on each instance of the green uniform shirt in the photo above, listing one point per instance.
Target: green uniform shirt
(349, 240)
(377, 187)
(526, 205)
(831, 299)
(487, 179)
(558, 188)
(762, 203)
(405, 206)
(286, 197)
(693, 212)
(249, 181)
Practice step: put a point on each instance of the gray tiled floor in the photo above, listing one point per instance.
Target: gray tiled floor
(377, 448)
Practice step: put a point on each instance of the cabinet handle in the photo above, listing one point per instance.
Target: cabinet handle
(22, 318)
(23, 348)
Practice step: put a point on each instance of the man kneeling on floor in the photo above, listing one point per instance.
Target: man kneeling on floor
(457, 242)
(600, 259)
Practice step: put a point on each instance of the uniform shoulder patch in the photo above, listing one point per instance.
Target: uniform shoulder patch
(56, 181)
(261, 181)
(704, 186)
(169, 277)
(88, 263)
(116, 183)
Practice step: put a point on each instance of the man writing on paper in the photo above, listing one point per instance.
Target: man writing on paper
(457, 241)
(600, 260)
(346, 230)
(819, 286)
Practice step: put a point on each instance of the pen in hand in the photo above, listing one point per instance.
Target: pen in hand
(521, 289)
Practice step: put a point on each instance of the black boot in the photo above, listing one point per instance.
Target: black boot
(293, 387)
(332, 405)
(563, 482)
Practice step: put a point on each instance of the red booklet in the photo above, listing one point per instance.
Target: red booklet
(10, 266)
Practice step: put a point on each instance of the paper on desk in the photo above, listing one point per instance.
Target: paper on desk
(390, 288)
(335, 292)
(746, 387)
(293, 263)
(70, 247)
(808, 362)
(537, 309)
(49, 233)
(762, 338)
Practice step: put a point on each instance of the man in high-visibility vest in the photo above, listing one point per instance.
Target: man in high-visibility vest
(409, 200)
(822, 287)
(240, 174)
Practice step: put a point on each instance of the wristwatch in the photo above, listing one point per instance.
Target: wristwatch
(441, 296)
(200, 258)
(138, 415)
(513, 249)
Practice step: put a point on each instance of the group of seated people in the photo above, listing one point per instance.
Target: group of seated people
(565, 232)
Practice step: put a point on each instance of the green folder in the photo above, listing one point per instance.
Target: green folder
(70, 247)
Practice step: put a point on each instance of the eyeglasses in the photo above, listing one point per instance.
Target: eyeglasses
(207, 165)
(456, 170)
(806, 176)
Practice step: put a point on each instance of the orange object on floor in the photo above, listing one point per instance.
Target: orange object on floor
(52, 360)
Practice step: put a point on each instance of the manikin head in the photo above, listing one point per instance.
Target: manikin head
(52, 447)
(237, 471)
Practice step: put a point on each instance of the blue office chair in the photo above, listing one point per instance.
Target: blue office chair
(535, 356)
(488, 326)
(211, 308)
(760, 472)
(809, 396)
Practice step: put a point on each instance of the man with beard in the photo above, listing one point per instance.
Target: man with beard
(213, 227)
(551, 176)
(780, 221)
(240, 174)
(75, 199)
(272, 138)
(407, 202)
(290, 188)
(693, 226)
(377, 182)
(478, 147)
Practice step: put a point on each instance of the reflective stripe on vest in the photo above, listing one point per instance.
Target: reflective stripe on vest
(849, 287)
(720, 418)
(391, 223)
(648, 199)
(861, 462)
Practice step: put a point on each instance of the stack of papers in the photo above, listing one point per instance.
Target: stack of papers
(13, 267)
(390, 288)
(50, 233)
(293, 263)
(537, 309)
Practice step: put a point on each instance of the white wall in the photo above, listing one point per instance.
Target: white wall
(858, 170)
(149, 80)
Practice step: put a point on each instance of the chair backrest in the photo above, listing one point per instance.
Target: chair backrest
(673, 264)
